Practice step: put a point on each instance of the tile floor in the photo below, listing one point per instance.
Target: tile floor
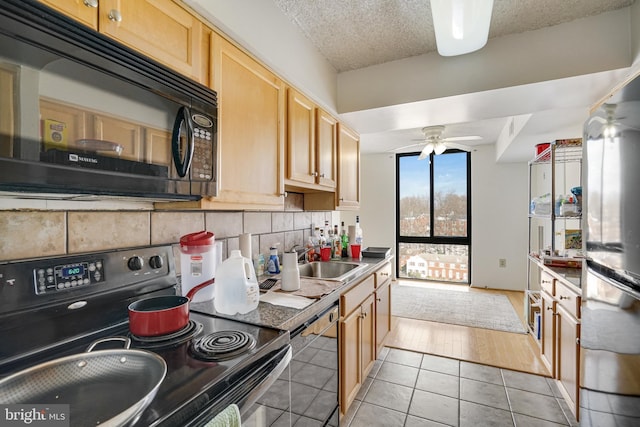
(408, 389)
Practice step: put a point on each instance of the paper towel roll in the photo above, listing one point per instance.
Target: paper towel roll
(245, 245)
(352, 234)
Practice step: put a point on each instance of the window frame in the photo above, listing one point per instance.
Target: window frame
(435, 240)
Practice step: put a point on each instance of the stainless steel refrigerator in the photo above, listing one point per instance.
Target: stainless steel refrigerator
(610, 329)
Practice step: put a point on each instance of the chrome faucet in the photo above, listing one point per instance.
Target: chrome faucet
(302, 253)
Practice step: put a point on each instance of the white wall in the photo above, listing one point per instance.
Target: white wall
(499, 215)
(262, 29)
(499, 221)
(377, 201)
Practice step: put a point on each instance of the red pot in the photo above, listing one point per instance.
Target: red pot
(155, 316)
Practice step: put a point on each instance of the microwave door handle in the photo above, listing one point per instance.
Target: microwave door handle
(182, 164)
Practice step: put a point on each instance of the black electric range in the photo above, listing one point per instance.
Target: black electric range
(55, 307)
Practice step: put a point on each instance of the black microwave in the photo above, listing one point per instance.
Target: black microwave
(82, 114)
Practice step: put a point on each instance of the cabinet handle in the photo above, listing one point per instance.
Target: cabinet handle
(563, 297)
(90, 3)
(115, 15)
(315, 174)
(546, 281)
(379, 299)
(550, 308)
(578, 341)
(321, 175)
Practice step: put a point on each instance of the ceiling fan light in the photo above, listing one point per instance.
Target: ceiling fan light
(426, 151)
(461, 26)
(439, 148)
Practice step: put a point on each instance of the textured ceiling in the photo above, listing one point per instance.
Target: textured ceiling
(354, 34)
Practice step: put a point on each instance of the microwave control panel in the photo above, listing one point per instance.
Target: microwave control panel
(204, 145)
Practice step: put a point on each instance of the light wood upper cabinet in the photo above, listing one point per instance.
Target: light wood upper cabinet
(311, 144)
(348, 194)
(327, 148)
(301, 138)
(85, 11)
(250, 131)
(159, 29)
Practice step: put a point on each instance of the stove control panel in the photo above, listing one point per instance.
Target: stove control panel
(61, 281)
(50, 278)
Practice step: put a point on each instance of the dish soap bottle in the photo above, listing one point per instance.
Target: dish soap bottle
(273, 266)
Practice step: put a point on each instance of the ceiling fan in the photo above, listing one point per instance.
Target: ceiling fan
(437, 144)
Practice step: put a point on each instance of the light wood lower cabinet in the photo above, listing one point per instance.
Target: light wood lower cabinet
(383, 314)
(364, 325)
(560, 344)
(357, 339)
(383, 305)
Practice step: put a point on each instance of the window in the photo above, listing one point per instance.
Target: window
(434, 216)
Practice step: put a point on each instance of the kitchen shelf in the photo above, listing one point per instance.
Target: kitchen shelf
(552, 172)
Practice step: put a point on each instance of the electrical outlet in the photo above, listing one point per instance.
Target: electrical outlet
(502, 263)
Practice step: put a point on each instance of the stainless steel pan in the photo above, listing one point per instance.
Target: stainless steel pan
(103, 387)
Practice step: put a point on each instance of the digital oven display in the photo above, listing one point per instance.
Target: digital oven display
(76, 270)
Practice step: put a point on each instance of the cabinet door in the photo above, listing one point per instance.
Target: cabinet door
(159, 29)
(383, 314)
(568, 362)
(301, 138)
(348, 169)
(368, 335)
(126, 134)
(250, 130)
(350, 355)
(548, 332)
(327, 145)
(84, 11)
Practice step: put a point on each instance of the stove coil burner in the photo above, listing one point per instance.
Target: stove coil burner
(222, 345)
(192, 329)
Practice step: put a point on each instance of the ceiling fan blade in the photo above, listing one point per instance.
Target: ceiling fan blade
(426, 151)
(463, 138)
(407, 146)
(459, 146)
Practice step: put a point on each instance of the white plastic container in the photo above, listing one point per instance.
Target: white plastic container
(198, 263)
(290, 272)
(236, 287)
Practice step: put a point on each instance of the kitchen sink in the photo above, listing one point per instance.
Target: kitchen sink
(331, 270)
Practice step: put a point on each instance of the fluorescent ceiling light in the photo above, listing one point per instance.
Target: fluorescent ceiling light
(461, 26)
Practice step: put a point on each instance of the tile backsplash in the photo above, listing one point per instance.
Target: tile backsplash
(35, 233)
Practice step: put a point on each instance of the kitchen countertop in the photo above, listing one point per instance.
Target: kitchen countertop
(287, 318)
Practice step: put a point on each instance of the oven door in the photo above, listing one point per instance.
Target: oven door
(245, 388)
(307, 393)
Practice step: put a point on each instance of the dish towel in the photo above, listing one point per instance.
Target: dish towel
(229, 417)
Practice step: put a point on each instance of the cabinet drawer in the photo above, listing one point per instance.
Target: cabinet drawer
(568, 299)
(383, 274)
(548, 283)
(354, 296)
